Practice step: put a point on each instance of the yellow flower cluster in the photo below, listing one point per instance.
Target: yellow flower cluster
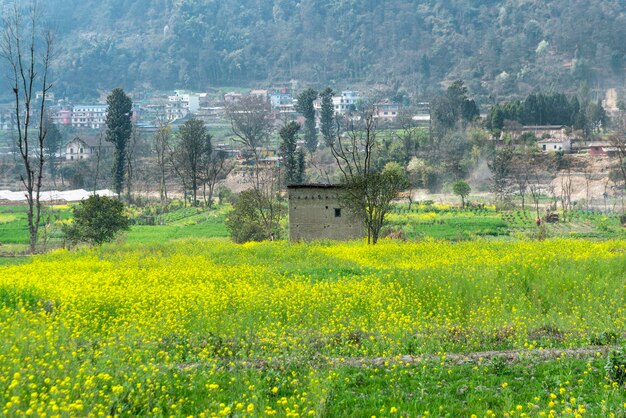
(178, 329)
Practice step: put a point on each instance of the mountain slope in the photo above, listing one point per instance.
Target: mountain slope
(501, 48)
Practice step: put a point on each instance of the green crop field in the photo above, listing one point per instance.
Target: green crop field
(204, 327)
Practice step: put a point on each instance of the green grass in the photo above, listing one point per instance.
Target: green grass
(13, 225)
(14, 260)
(164, 233)
(422, 221)
(428, 328)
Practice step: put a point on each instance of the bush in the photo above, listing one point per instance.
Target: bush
(254, 218)
(97, 219)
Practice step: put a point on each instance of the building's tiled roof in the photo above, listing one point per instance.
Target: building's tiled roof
(314, 186)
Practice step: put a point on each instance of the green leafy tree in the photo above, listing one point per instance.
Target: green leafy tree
(462, 189)
(370, 194)
(97, 220)
(305, 106)
(327, 116)
(294, 170)
(454, 107)
(118, 131)
(254, 218)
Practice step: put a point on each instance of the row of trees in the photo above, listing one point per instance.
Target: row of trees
(548, 109)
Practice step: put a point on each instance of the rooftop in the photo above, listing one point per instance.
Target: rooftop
(314, 186)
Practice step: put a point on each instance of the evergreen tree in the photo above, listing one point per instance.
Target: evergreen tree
(327, 116)
(305, 106)
(119, 129)
(293, 158)
(52, 147)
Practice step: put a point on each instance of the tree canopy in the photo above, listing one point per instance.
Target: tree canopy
(501, 46)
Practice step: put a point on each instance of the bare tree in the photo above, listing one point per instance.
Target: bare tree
(535, 192)
(353, 147)
(520, 171)
(162, 139)
(587, 176)
(98, 159)
(28, 51)
(618, 143)
(131, 150)
(566, 193)
(501, 169)
(251, 122)
(217, 169)
(191, 154)
(368, 193)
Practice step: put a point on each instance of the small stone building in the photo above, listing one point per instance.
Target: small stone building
(316, 212)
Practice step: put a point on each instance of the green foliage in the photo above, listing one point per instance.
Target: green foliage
(294, 168)
(254, 217)
(327, 116)
(548, 109)
(615, 366)
(118, 131)
(241, 42)
(369, 195)
(454, 107)
(305, 106)
(96, 220)
(462, 189)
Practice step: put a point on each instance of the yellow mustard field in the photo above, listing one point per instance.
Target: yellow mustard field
(207, 327)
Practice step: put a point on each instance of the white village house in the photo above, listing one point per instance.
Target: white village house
(555, 144)
(84, 148)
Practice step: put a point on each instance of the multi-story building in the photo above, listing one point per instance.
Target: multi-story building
(280, 98)
(89, 116)
(344, 103)
(386, 110)
(181, 104)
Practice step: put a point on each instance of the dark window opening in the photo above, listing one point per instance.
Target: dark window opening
(337, 213)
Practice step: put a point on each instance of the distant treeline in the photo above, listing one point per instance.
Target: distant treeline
(548, 109)
(502, 48)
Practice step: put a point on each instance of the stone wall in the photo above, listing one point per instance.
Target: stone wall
(316, 213)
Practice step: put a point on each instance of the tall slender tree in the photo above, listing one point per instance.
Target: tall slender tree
(52, 147)
(118, 132)
(327, 116)
(305, 106)
(28, 51)
(294, 170)
(162, 139)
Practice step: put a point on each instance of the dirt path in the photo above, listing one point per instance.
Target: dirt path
(508, 356)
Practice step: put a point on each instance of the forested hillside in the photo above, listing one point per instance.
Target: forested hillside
(499, 47)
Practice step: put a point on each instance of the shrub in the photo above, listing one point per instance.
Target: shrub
(97, 219)
(254, 217)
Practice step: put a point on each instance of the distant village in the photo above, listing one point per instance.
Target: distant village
(151, 112)
(85, 120)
